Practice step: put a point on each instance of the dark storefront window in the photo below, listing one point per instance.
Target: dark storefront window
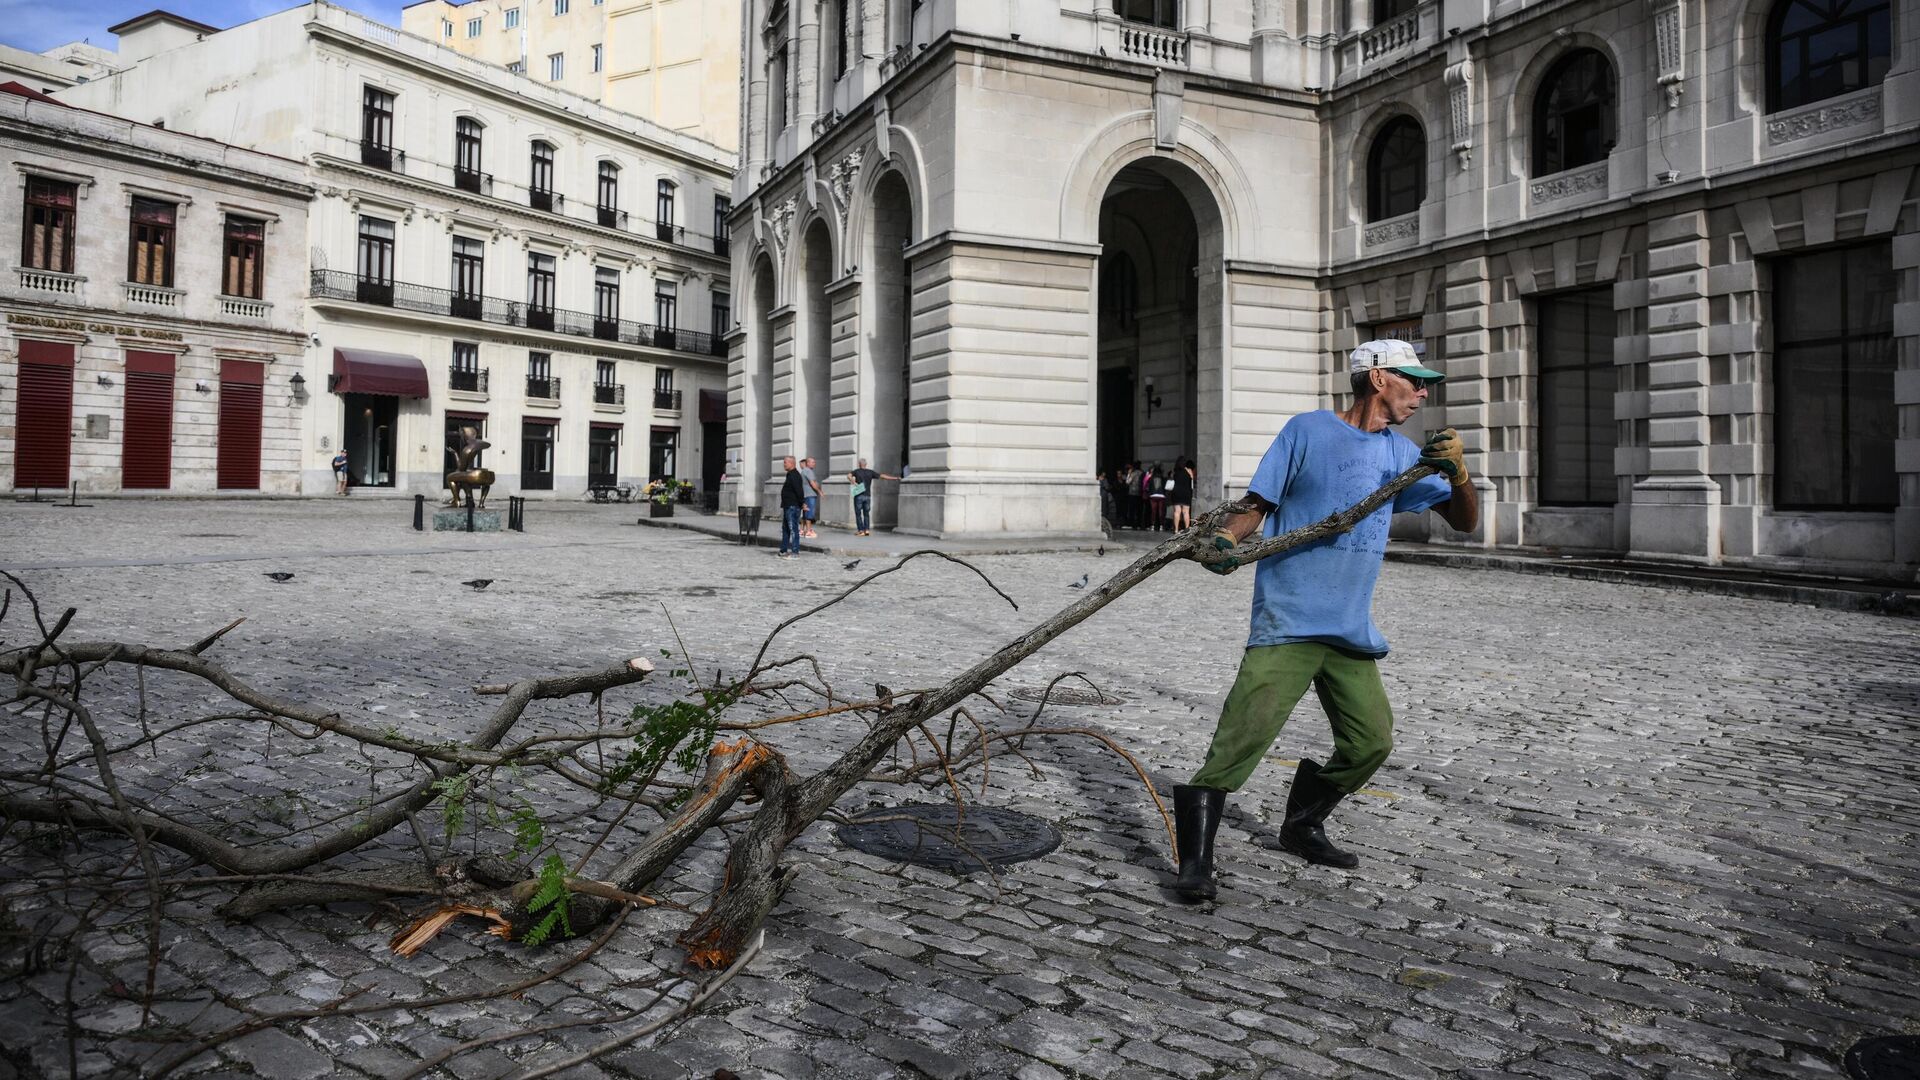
(536, 456)
(603, 456)
(662, 453)
(1834, 420)
(1576, 427)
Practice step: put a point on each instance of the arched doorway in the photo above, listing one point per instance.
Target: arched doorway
(886, 376)
(813, 366)
(758, 467)
(1159, 325)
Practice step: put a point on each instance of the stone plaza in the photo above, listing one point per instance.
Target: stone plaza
(1626, 831)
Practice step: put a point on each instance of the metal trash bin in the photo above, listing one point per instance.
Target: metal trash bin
(749, 524)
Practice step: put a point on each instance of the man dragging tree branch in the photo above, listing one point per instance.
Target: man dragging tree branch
(1313, 606)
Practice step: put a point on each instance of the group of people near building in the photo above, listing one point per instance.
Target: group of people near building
(800, 501)
(1157, 497)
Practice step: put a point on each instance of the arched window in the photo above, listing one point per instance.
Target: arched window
(663, 212)
(1396, 170)
(1817, 49)
(540, 176)
(1574, 113)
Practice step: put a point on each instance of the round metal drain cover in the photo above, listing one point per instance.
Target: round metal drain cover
(1066, 695)
(937, 837)
(1889, 1057)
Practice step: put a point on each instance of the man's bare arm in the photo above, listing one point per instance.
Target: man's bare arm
(1462, 508)
(1246, 520)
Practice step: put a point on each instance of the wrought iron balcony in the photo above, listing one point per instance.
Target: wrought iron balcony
(666, 400)
(544, 387)
(668, 233)
(381, 156)
(610, 393)
(610, 217)
(480, 183)
(720, 245)
(404, 296)
(544, 199)
(470, 380)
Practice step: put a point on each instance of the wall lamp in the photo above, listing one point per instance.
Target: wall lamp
(201, 386)
(299, 384)
(1153, 399)
(103, 380)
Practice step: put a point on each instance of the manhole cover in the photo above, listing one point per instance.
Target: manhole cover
(1889, 1057)
(935, 836)
(1066, 695)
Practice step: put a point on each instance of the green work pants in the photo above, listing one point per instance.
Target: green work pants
(1271, 682)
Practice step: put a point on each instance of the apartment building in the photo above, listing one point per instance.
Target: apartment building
(482, 251)
(153, 324)
(1666, 253)
(674, 62)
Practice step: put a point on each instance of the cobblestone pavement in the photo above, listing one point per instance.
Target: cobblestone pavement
(1625, 832)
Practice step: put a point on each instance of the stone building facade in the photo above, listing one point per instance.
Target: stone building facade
(1007, 246)
(153, 313)
(482, 251)
(674, 62)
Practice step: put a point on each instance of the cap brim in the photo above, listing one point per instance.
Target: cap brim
(1421, 372)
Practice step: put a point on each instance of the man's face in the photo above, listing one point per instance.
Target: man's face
(1401, 394)
(787, 463)
(809, 463)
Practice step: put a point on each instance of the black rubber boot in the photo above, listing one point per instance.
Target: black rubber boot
(1309, 802)
(1196, 814)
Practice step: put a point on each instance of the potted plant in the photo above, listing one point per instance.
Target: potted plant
(660, 497)
(686, 491)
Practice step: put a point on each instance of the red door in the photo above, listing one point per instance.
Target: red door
(238, 466)
(43, 439)
(146, 441)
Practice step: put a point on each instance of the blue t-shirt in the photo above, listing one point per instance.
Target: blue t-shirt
(1323, 591)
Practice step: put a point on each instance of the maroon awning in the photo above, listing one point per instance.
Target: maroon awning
(363, 371)
(713, 406)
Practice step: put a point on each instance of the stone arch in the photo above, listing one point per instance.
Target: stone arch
(1526, 85)
(1217, 179)
(884, 377)
(1360, 153)
(903, 156)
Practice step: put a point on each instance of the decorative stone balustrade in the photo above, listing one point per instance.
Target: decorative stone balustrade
(244, 308)
(1388, 36)
(51, 281)
(153, 295)
(1163, 48)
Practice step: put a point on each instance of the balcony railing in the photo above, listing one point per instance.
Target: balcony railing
(544, 199)
(543, 387)
(720, 245)
(154, 295)
(666, 400)
(53, 281)
(1164, 48)
(381, 156)
(404, 296)
(245, 307)
(668, 233)
(1395, 33)
(609, 393)
(610, 217)
(470, 380)
(480, 183)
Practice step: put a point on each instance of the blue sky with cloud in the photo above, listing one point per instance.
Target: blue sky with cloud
(38, 25)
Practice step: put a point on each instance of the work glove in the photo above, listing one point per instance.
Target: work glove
(1443, 454)
(1223, 541)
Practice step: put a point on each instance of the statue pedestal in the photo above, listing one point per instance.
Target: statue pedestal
(454, 519)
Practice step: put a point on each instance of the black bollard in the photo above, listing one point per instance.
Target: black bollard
(469, 509)
(419, 513)
(74, 499)
(516, 513)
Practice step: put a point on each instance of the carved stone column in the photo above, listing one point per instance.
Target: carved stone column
(807, 72)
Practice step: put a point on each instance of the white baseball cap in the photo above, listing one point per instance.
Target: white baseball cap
(1393, 355)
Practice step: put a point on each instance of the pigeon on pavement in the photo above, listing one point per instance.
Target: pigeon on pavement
(851, 565)
(280, 576)
(478, 583)
(1081, 584)
(1102, 552)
